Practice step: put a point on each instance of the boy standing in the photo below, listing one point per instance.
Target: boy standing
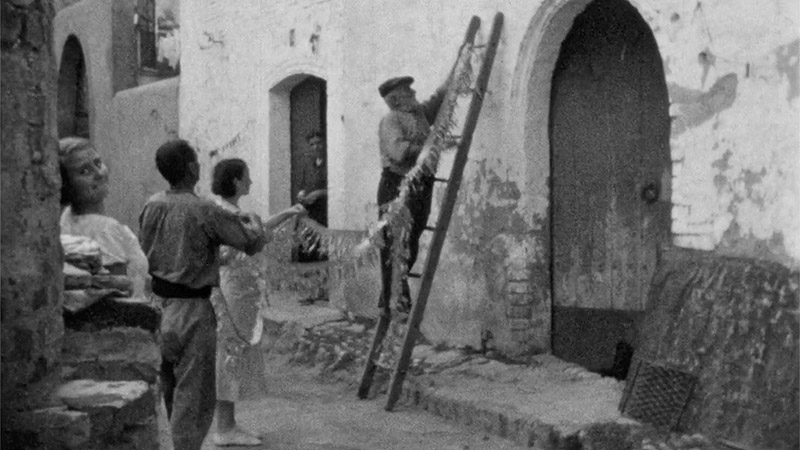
(180, 234)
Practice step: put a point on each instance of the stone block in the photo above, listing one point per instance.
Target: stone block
(519, 312)
(518, 299)
(610, 436)
(80, 299)
(108, 281)
(519, 324)
(115, 312)
(115, 354)
(54, 427)
(137, 437)
(519, 287)
(75, 278)
(111, 405)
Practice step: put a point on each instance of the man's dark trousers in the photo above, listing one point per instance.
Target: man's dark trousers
(419, 205)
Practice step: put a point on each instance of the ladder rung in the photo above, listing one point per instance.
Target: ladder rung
(430, 228)
(414, 275)
(441, 180)
(479, 46)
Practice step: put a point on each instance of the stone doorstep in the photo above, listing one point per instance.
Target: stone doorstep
(111, 405)
(115, 354)
(525, 430)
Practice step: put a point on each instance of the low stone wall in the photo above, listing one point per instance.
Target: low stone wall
(110, 362)
(109, 371)
(733, 323)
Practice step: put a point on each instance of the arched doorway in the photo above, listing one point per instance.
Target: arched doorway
(73, 115)
(610, 165)
(307, 115)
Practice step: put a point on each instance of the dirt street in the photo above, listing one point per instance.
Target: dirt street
(296, 411)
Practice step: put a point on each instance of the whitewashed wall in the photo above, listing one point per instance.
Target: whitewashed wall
(734, 142)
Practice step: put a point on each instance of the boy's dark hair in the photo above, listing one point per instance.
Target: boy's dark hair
(315, 134)
(173, 158)
(225, 173)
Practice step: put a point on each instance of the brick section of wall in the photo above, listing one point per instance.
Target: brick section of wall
(519, 312)
(31, 251)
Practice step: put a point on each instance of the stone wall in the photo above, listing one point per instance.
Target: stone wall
(733, 323)
(31, 253)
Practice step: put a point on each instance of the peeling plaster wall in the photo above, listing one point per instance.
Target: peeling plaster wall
(734, 145)
(732, 73)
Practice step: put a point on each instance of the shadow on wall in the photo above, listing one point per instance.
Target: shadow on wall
(692, 108)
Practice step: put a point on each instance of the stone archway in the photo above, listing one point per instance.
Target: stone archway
(73, 91)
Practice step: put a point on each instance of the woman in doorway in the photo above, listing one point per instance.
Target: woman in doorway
(238, 303)
(84, 188)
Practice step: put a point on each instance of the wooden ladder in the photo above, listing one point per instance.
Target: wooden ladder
(439, 230)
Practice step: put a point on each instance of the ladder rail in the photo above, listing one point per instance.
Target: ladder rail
(370, 365)
(445, 214)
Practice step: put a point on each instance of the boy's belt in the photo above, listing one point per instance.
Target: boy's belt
(168, 289)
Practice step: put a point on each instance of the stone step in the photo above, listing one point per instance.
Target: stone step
(49, 428)
(114, 354)
(114, 407)
(115, 312)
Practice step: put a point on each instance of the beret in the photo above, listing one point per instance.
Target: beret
(392, 83)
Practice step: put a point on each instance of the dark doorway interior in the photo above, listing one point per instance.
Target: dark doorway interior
(308, 111)
(73, 115)
(609, 134)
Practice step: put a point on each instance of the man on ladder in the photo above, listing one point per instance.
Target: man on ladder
(402, 134)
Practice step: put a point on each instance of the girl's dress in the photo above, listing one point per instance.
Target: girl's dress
(238, 302)
(117, 243)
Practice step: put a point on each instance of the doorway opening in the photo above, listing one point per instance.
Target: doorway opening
(609, 143)
(307, 122)
(73, 115)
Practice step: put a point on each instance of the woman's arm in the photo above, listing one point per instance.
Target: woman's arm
(277, 219)
(309, 199)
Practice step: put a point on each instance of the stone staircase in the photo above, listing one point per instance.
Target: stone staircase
(109, 370)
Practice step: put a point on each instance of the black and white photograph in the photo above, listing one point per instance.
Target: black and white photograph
(400, 224)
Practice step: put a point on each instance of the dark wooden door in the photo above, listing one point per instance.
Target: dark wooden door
(609, 131)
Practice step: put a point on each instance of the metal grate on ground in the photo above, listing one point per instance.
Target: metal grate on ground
(656, 394)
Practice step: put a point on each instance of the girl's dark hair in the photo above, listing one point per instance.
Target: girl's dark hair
(67, 146)
(315, 134)
(173, 159)
(225, 172)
